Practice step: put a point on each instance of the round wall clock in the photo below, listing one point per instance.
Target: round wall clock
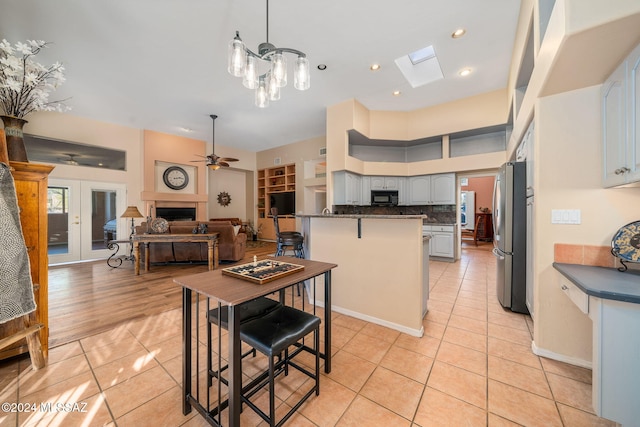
(626, 244)
(175, 178)
(224, 198)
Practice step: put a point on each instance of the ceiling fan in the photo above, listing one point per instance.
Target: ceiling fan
(70, 159)
(214, 161)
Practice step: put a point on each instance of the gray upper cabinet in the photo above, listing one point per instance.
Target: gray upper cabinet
(385, 183)
(347, 188)
(419, 189)
(438, 189)
(443, 189)
(620, 118)
(366, 191)
(352, 189)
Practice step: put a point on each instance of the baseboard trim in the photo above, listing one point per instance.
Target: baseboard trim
(400, 328)
(560, 357)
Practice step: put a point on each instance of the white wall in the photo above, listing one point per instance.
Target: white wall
(568, 170)
(232, 182)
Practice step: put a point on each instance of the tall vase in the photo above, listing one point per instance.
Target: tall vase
(15, 142)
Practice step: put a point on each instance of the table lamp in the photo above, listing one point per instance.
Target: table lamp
(131, 212)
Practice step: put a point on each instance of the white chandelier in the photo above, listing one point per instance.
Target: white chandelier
(244, 63)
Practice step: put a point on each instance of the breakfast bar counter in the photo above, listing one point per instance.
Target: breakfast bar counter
(383, 273)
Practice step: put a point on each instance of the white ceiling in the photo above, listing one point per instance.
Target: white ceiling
(161, 64)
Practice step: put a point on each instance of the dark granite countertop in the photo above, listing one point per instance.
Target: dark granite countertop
(356, 216)
(603, 282)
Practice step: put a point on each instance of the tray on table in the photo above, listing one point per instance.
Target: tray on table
(262, 271)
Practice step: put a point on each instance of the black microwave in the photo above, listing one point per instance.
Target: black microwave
(384, 198)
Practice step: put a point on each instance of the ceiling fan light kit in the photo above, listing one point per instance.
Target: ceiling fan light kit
(243, 62)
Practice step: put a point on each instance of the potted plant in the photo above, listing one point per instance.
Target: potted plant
(24, 88)
(252, 230)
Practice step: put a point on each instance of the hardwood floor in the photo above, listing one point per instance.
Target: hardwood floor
(88, 298)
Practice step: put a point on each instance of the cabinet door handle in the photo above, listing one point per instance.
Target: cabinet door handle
(622, 170)
(565, 287)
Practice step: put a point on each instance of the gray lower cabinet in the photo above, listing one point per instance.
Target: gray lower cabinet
(616, 375)
(442, 240)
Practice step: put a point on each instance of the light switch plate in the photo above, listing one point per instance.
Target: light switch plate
(565, 216)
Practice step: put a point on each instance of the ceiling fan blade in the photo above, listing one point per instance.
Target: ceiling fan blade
(228, 159)
(203, 160)
(225, 164)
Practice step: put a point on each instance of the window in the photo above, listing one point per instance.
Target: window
(58, 200)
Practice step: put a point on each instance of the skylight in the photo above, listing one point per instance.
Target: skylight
(422, 55)
(420, 67)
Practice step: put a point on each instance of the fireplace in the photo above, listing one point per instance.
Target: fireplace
(176, 214)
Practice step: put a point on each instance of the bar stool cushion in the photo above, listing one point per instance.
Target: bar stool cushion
(249, 311)
(273, 333)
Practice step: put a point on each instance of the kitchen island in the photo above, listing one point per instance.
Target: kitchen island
(383, 273)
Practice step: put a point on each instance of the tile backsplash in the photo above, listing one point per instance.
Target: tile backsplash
(599, 256)
(442, 214)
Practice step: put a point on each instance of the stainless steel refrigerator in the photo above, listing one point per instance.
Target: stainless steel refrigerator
(510, 235)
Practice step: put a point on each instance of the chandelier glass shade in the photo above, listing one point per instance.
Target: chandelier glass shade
(244, 63)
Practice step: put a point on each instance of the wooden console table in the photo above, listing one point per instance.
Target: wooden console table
(145, 239)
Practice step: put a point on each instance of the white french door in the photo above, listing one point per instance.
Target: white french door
(81, 215)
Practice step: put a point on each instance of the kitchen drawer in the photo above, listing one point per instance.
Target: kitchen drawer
(579, 298)
(442, 228)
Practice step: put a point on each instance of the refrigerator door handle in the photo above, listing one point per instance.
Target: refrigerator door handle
(497, 254)
(496, 213)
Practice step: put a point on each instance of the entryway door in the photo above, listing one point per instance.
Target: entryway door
(81, 216)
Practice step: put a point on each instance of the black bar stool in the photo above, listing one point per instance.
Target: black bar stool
(272, 335)
(249, 311)
(286, 239)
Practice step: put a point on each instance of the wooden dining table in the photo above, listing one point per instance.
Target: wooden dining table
(232, 292)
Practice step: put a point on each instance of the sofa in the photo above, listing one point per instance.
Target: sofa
(231, 243)
(234, 221)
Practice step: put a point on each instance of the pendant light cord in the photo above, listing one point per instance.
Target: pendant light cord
(267, 21)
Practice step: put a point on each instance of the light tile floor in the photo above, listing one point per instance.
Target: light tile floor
(473, 367)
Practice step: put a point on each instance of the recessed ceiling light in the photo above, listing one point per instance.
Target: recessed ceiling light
(322, 67)
(396, 93)
(458, 33)
(186, 130)
(465, 72)
(374, 67)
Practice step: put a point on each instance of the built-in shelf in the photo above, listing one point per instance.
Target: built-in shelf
(545, 7)
(383, 150)
(525, 71)
(472, 142)
(278, 179)
(479, 141)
